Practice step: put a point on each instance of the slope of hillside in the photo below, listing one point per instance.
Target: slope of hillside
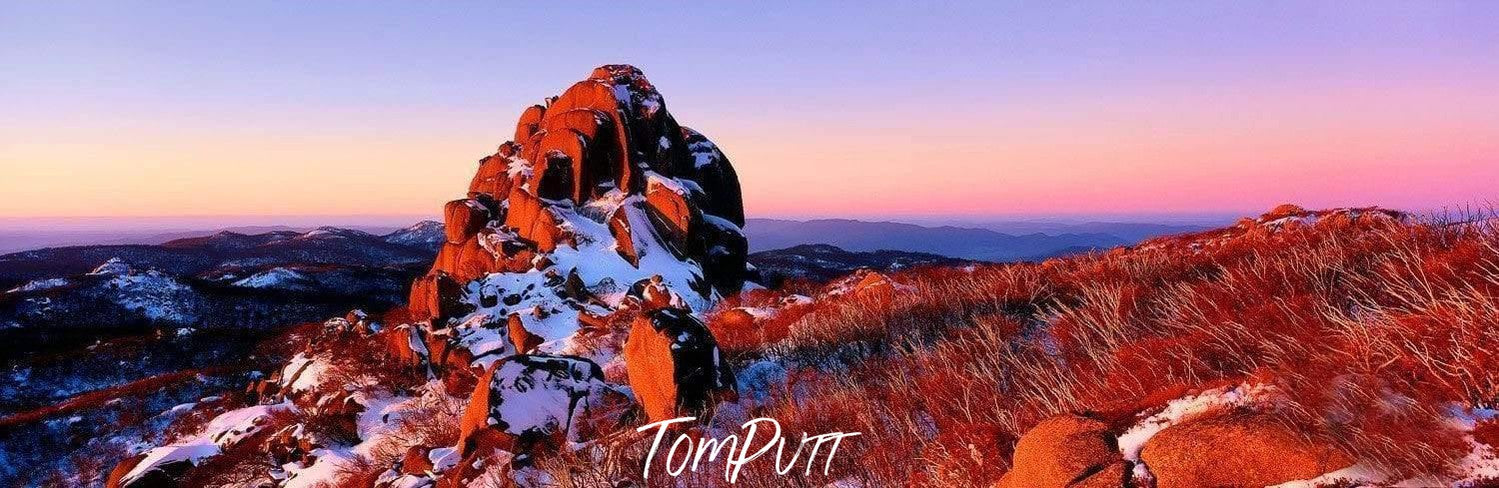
(1299, 349)
(956, 242)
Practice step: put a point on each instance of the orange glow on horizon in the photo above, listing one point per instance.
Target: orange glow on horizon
(1399, 146)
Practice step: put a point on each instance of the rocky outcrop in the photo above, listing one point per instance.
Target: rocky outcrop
(600, 189)
(1223, 437)
(602, 162)
(1066, 451)
(591, 242)
(1243, 449)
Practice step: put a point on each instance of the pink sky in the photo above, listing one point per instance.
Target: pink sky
(120, 112)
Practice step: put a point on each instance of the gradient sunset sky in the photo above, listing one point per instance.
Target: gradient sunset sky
(834, 109)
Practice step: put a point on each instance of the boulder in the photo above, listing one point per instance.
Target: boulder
(493, 177)
(474, 423)
(533, 220)
(673, 364)
(625, 239)
(560, 155)
(652, 295)
(405, 345)
(600, 97)
(1066, 451)
(121, 469)
(523, 339)
(670, 209)
(463, 218)
(1284, 210)
(437, 297)
(163, 475)
(530, 119)
(601, 168)
(525, 400)
(416, 461)
(599, 162)
(1236, 449)
(711, 170)
(468, 260)
(722, 249)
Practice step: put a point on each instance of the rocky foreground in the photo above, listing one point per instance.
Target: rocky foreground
(594, 280)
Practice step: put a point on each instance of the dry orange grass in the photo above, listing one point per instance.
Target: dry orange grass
(1370, 326)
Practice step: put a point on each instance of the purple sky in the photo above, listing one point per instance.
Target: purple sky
(858, 109)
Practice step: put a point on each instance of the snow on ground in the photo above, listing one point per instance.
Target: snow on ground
(543, 399)
(328, 232)
(1479, 466)
(377, 424)
(112, 266)
(38, 285)
(152, 293)
(303, 372)
(320, 473)
(279, 278)
(443, 458)
(223, 431)
(424, 233)
(1181, 409)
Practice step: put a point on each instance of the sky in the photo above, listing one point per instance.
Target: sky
(270, 110)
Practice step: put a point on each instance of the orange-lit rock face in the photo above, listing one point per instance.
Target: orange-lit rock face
(673, 364)
(475, 419)
(529, 121)
(1064, 450)
(120, 470)
(651, 369)
(602, 208)
(603, 140)
(436, 295)
(523, 340)
(1236, 450)
(463, 219)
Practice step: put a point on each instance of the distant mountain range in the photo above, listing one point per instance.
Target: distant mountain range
(824, 262)
(225, 279)
(1131, 232)
(956, 242)
(14, 238)
(228, 252)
